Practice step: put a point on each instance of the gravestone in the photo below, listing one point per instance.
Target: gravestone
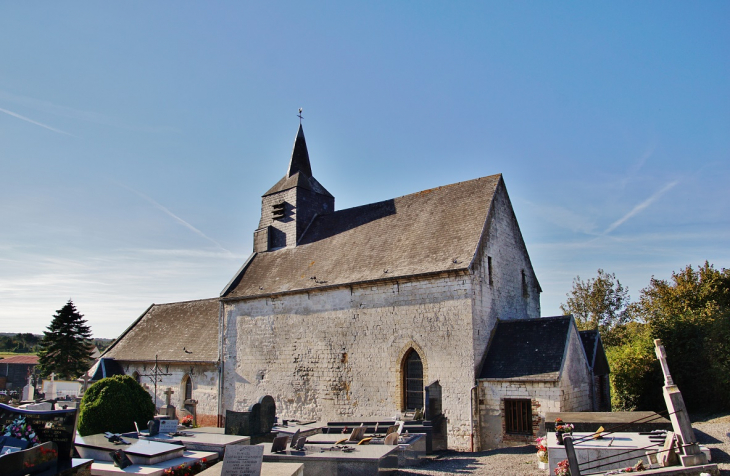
(391, 439)
(28, 393)
(168, 426)
(58, 426)
(243, 460)
(167, 408)
(244, 423)
(268, 413)
(433, 400)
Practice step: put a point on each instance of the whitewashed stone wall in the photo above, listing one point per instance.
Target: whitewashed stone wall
(337, 354)
(205, 386)
(570, 393)
(503, 298)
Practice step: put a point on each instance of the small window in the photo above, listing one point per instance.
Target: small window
(518, 416)
(188, 388)
(489, 268)
(525, 292)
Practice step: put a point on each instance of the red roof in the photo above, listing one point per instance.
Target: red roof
(20, 359)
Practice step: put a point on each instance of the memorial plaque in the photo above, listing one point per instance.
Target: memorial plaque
(279, 444)
(58, 426)
(243, 460)
(168, 426)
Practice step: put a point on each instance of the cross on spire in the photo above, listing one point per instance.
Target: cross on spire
(300, 115)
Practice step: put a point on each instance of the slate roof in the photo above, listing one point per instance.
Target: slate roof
(426, 232)
(529, 349)
(588, 339)
(176, 332)
(20, 359)
(104, 368)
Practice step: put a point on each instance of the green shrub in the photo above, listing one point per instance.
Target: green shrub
(114, 404)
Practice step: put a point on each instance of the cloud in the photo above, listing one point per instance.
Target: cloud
(641, 206)
(177, 219)
(15, 114)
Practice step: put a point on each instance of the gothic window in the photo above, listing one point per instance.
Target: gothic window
(413, 381)
(518, 416)
(187, 388)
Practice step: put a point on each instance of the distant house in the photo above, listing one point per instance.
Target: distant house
(16, 370)
(598, 363)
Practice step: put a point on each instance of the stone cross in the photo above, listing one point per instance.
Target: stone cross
(662, 356)
(168, 393)
(691, 454)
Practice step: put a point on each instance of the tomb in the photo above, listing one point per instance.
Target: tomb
(141, 452)
(357, 460)
(199, 441)
(256, 423)
(46, 444)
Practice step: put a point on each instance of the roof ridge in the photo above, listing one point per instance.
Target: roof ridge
(185, 302)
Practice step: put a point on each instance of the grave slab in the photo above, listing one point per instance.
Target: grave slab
(141, 452)
(364, 460)
(107, 468)
(267, 469)
(629, 447)
(411, 447)
(202, 441)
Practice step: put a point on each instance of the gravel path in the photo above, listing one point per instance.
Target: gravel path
(713, 432)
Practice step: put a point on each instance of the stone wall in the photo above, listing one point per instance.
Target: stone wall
(336, 354)
(205, 386)
(498, 292)
(575, 381)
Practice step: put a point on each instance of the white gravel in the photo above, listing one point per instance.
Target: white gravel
(713, 432)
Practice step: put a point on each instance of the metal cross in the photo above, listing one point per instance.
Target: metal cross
(300, 115)
(154, 376)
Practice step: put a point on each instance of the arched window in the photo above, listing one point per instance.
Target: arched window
(188, 388)
(135, 376)
(413, 381)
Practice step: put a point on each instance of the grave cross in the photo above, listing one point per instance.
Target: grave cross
(662, 356)
(168, 393)
(155, 376)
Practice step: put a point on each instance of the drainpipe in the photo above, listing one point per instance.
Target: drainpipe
(471, 419)
(221, 353)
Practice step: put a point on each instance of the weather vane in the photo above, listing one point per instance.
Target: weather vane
(300, 115)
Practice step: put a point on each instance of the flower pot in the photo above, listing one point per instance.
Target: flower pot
(559, 436)
(542, 465)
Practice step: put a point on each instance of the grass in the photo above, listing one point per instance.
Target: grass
(10, 354)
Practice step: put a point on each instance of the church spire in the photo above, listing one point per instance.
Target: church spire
(300, 156)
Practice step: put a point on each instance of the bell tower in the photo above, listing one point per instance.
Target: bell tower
(291, 205)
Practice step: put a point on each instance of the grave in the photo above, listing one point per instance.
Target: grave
(167, 408)
(257, 422)
(623, 421)
(199, 440)
(411, 446)
(107, 468)
(363, 460)
(47, 444)
(140, 452)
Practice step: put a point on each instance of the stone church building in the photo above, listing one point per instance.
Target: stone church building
(349, 314)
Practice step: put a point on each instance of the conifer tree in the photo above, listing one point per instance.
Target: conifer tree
(66, 345)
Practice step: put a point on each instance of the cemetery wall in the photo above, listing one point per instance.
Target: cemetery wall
(337, 354)
(204, 382)
(497, 276)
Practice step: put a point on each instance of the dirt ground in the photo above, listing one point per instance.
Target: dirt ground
(712, 431)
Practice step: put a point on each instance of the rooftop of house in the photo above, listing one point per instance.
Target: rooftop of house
(432, 231)
(20, 359)
(175, 332)
(528, 349)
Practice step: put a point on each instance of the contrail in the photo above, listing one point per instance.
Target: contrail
(640, 207)
(178, 219)
(11, 113)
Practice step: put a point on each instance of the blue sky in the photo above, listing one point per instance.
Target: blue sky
(136, 138)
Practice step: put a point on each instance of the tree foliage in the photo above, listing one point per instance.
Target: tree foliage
(599, 303)
(66, 347)
(114, 404)
(690, 313)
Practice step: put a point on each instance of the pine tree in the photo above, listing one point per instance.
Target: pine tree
(66, 346)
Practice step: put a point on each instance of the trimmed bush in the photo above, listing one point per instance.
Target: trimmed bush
(114, 404)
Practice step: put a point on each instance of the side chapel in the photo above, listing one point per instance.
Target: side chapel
(350, 314)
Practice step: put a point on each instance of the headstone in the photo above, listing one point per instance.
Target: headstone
(300, 443)
(433, 400)
(268, 413)
(279, 444)
(357, 434)
(168, 409)
(58, 426)
(168, 426)
(692, 455)
(153, 427)
(28, 393)
(391, 439)
(391, 429)
(255, 418)
(294, 439)
(243, 423)
(243, 460)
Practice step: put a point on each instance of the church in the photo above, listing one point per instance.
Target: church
(349, 315)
